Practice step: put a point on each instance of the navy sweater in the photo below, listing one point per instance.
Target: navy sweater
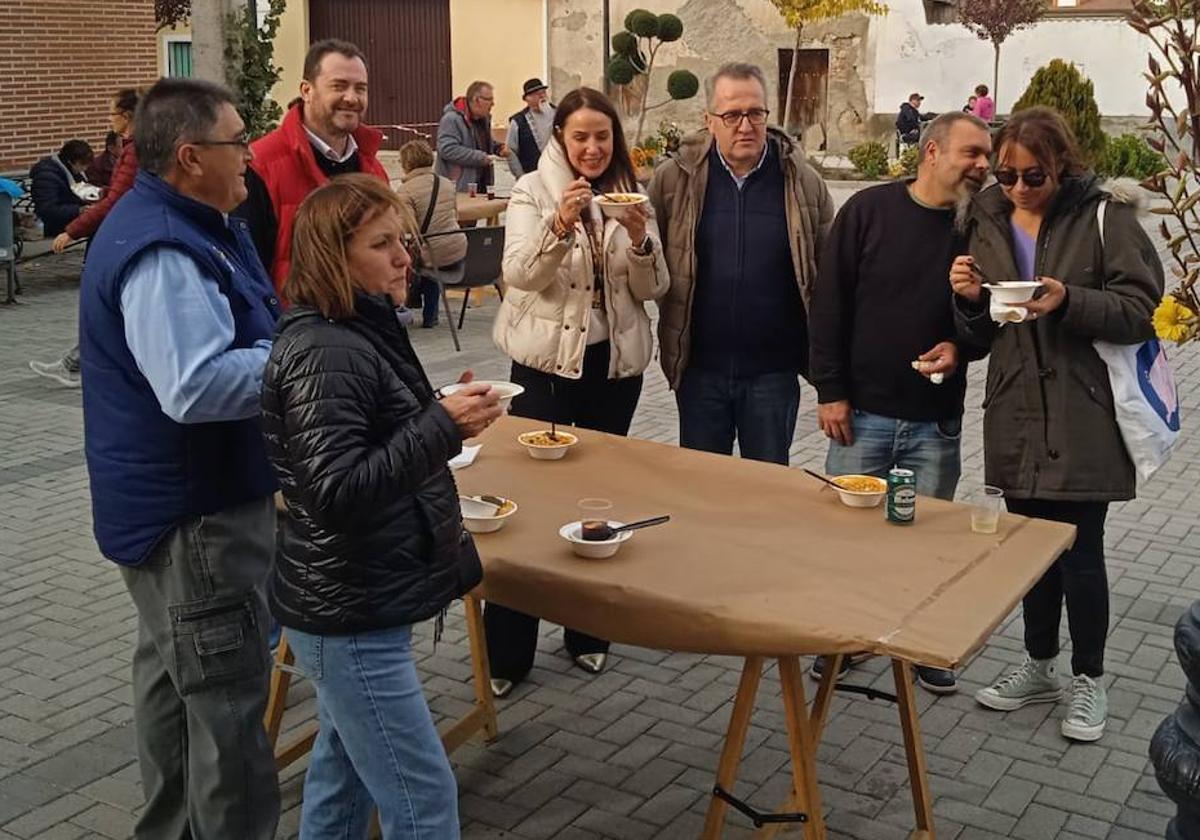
(747, 314)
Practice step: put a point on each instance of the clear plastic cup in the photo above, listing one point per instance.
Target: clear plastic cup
(593, 511)
(986, 506)
(472, 189)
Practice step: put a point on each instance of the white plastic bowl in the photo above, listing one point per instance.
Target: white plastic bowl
(547, 453)
(1013, 291)
(861, 498)
(616, 209)
(593, 550)
(505, 390)
(478, 517)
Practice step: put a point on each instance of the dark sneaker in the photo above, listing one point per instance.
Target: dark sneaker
(936, 680)
(821, 663)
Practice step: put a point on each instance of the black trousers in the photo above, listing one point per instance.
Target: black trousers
(1080, 576)
(592, 402)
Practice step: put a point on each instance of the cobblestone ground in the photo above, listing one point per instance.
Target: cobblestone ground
(628, 754)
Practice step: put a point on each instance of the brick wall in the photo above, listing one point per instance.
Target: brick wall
(60, 63)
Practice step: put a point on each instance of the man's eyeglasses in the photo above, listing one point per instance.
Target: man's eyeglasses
(732, 119)
(241, 140)
(1032, 177)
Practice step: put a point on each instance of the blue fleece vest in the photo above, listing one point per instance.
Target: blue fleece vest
(748, 317)
(149, 473)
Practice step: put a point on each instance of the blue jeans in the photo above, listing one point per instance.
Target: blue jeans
(377, 743)
(759, 411)
(931, 449)
(431, 294)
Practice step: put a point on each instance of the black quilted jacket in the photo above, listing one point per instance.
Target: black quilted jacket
(374, 537)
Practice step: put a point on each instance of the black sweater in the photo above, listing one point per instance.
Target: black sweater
(882, 298)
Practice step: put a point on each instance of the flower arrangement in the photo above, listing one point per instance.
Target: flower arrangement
(654, 149)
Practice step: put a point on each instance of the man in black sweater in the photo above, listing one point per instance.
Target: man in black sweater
(889, 377)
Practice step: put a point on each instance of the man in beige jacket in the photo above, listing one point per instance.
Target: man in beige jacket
(742, 216)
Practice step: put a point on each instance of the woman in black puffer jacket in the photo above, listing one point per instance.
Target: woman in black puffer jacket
(374, 541)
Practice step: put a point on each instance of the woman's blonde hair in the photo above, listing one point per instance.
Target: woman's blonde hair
(416, 154)
(325, 223)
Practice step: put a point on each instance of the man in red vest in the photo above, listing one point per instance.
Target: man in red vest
(321, 136)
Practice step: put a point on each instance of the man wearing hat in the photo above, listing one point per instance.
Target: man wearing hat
(908, 123)
(529, 129)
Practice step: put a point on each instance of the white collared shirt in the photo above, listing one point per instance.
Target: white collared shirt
(740, 180)
(327, 150)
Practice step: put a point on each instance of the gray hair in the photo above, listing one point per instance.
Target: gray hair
(172, 112)
(938, 130)
(738, 71)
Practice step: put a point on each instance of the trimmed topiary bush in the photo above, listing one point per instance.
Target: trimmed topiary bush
(871, 159)
(1129, 156)
(682, 84)
(1062, 87)
(624, 43)
(620, 70)
(642, 23)
(670, 28)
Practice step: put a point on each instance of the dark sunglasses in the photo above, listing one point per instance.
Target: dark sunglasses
(1033, 177)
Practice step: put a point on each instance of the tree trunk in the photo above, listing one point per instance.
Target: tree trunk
(791, 88)
(996, 78)
(210, 20)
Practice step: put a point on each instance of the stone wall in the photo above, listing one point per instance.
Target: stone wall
(717, 31)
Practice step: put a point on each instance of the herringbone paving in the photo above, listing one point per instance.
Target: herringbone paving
(627, 754)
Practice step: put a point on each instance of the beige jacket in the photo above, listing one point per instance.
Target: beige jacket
(543, 320)
(677, 193)
(416, 189)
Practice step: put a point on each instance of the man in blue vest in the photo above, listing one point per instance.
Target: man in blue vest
(176, 319)
(529, 129)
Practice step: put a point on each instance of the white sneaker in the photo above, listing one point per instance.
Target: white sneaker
(57, 371)
(1088, 712)
(1034, 681)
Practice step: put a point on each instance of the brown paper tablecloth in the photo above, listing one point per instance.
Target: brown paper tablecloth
(757, 558)
(479, 207)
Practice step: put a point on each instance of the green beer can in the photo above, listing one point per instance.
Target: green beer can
(901, 496)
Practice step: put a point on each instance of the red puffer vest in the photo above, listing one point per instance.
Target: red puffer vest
(284, 160)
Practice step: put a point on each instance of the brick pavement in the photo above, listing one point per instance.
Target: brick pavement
(628, 754)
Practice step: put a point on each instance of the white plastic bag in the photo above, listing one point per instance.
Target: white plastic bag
(1145, 399)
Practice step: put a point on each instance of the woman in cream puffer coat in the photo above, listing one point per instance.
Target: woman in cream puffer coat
(573, 319)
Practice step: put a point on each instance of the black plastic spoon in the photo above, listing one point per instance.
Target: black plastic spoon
(601, 531)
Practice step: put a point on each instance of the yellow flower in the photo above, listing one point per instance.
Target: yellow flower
(1173, 321)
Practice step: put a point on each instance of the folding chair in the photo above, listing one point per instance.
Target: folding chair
(483, 266)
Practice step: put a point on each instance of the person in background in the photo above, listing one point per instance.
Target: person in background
(969, 108)
(1050, 435)
(910, 118)
(374, 542)
(985, 107)
(175, 319)
(431, 200)
(743, 217)
(51, 180)
(574, 319)
(464, 139)
(889, 251)
(65, 370)
(529, 129)
(320, 137)
(101, 169)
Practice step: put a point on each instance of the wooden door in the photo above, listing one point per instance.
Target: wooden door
(810, 96)
(407, 45)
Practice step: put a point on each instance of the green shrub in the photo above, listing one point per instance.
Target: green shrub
(1129, 156)
(1062, 87)
(670, 28)
(870, 159)
(908, 160)
(620, 70)
(682, 84)
(624, 43)
(642, 23)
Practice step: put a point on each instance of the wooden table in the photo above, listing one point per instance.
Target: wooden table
(758, 562)
(480, 208)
